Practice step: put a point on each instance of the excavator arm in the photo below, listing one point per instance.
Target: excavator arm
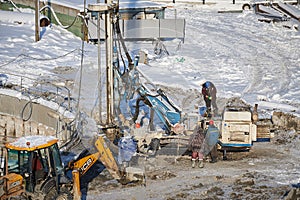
(81, 166)
(106, 157)
(103, 154)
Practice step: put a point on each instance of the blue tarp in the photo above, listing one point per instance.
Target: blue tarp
(127, 148)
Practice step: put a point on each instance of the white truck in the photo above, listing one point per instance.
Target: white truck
(237, 129)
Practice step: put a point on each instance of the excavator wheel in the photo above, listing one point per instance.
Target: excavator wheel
(51, 194)
(63, 196)
(21, 197)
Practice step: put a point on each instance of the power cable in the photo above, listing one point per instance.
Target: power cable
(33, 58)
(31, 108)
(18, 9)
(56, 18)
(81, 69)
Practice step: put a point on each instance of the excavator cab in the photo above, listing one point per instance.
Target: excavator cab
(37, 159)
(34, 168)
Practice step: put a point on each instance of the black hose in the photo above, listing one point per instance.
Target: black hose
(31, 108)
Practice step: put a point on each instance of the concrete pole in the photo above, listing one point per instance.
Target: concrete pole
(99, 68)
(109, 67)
(37, 20)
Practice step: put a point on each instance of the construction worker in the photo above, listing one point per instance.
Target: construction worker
(209, 93)
(196, 146)
(211, 139)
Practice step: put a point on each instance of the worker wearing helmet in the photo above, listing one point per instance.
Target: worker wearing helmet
(209, 93)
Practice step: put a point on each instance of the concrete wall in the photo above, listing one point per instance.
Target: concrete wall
(20, 117)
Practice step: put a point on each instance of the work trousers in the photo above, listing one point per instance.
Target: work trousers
(213, 153)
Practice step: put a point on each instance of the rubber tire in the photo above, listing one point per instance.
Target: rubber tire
(64, 196)
(51, 194)
(54, 195)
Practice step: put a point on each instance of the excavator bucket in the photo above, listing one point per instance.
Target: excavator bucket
(133, 175)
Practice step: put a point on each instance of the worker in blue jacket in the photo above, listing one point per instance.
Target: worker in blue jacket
(211, 140)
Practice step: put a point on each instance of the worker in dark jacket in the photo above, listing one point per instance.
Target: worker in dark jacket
(211, 139)
(196, 146)
(209, 93)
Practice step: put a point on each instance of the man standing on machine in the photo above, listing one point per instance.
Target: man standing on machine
(209, 93)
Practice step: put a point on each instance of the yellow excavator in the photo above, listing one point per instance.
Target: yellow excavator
(34, 169)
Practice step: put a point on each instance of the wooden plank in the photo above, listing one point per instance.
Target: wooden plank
(263, 129)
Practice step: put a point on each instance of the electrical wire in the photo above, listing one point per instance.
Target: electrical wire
(56, 18)
(81, 69)
(18, 9)
(39, 59)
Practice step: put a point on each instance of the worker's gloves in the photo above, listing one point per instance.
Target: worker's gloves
(208, 97)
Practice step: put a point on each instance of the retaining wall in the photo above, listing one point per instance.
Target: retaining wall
(21, 117)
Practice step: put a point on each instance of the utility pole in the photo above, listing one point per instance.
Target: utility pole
(37, 20)
(99, 67)
(109, 66)
(107, 9)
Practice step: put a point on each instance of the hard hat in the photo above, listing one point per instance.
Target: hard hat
(211, 122)
(137, 125)
(207, 84)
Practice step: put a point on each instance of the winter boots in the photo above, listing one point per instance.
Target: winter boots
(193, 163)
(200, 164)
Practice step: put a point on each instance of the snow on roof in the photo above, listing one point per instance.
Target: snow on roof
(32, 141)
(78, 4)
(140, 4)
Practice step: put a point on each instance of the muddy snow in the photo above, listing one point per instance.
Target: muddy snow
(267, 171)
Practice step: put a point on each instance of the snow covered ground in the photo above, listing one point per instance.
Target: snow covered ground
(256, 61)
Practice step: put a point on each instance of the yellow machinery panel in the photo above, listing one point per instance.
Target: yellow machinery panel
(11, 185)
